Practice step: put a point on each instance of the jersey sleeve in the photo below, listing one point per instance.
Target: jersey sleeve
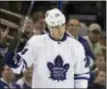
(25, 58)
(81, 70)
(27, 54)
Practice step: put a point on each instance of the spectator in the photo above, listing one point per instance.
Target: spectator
(26, 81)
(35, 26)
(28, 29)
(93, 38)
(3, 43)
(38, 27)
(103, 43)
(6, 81)
(4, 34)
(83, 29)
(99, 64)
(99, 61)
(99, 82)
(39, 22)
(73, 27)
(28, 32)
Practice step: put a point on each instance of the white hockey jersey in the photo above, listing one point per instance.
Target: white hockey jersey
(56, 64)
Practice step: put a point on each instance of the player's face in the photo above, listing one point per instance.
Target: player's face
(57, 32)
(73, 27)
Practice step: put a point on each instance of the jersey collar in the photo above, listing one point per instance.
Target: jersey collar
(63, 39)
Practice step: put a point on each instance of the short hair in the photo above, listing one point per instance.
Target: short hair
(38, 15)
(72, 17)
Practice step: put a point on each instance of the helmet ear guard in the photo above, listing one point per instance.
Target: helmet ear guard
(55, 17)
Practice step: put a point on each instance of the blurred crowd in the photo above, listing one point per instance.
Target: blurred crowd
(91, 37)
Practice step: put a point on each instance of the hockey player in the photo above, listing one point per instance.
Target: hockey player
(58, 60)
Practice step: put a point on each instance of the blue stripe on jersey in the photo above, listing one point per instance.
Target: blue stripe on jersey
(25, 64)
(81, 74)
(79, 78)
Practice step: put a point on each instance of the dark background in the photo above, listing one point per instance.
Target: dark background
(96, 10)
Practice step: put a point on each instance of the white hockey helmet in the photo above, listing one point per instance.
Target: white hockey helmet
(55, 17)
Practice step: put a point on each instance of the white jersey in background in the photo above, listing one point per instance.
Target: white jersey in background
(56, 64)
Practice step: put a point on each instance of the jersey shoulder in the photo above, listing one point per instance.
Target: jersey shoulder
(83, 41)
(75, 43)
(36, 39)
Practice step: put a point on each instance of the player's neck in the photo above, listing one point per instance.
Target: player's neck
(58, 38)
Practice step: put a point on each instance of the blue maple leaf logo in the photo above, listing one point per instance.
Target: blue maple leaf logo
(58, 70)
